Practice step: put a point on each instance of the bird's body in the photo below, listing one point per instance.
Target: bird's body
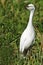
(28, 35)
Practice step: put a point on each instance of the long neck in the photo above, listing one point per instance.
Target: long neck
(30, 18)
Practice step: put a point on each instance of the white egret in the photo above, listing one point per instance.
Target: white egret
(28, 35)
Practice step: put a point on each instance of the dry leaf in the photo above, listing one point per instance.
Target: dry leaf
(3, 1)
(42, 42)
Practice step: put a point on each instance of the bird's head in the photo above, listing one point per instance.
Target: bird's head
(30, 7)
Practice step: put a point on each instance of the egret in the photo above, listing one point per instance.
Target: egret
(28, 35)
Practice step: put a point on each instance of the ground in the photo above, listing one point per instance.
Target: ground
(13, 20)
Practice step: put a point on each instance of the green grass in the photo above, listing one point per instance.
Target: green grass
(13, 21)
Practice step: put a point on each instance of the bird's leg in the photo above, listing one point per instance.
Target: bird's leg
(25, 52)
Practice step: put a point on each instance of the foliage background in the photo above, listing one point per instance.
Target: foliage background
(13, 21)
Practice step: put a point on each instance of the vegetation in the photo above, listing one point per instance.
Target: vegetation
(13, 20)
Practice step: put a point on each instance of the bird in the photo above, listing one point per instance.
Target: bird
(28, 36)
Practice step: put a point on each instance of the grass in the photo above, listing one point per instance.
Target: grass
(13, 20)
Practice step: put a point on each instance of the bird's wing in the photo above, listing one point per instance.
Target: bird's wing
(22, 41)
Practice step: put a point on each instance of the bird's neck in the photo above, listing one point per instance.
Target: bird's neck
(30, 18)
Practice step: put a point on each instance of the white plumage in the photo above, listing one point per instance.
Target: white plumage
(28, 35)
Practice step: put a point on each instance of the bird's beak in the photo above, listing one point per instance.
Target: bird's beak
(27, 7)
